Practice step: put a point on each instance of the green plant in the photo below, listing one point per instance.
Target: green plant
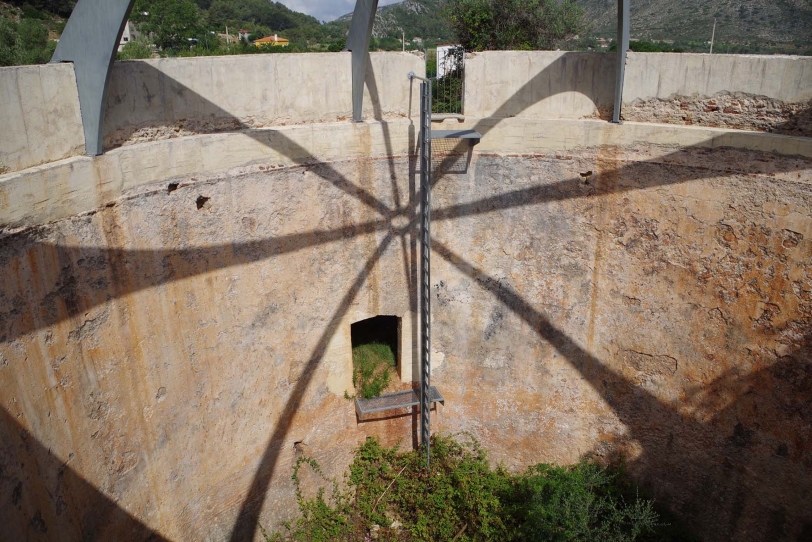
(462, 498)
(447, 90)
(482, 25)
(322, 519)
(135, 49)
(372, 363)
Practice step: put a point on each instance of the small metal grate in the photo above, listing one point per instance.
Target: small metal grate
(391, 401)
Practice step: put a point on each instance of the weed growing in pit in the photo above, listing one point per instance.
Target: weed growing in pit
(390, 494)
(371, 366)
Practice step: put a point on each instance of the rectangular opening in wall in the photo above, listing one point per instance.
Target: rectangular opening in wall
(375, 355)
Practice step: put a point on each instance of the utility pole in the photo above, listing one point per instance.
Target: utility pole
(713, 35)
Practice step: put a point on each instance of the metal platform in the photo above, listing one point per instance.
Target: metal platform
(391, 401)
(473, 135)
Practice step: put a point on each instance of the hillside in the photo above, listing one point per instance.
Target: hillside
(738, 21)
(417, 18)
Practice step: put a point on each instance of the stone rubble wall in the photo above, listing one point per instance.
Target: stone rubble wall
(741, 92)
(736, 111)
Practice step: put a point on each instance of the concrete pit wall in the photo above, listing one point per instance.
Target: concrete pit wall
(175, 317)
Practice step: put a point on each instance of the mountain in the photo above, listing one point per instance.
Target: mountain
(740, 21)
(417, 18)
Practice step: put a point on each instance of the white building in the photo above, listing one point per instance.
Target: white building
(129, 34)
(445, 62)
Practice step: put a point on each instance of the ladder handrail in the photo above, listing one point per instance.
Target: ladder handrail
(425, 261)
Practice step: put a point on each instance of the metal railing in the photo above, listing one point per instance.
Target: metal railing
(425, 260)
(445, 67)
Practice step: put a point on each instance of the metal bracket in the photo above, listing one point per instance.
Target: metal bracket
(90, 41)
(358, 39)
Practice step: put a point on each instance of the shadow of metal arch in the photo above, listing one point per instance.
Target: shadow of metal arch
(90, 41)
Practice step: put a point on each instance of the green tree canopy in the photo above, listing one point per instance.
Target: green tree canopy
(482, 25)
(24, 43)
(61, 7)
(170, 22)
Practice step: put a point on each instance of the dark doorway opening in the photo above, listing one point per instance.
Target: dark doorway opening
(378, 329)
(375, 354)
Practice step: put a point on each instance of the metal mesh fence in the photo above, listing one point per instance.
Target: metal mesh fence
(445, 67)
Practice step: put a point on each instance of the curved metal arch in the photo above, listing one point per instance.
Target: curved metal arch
(90, 41)
(358, 39)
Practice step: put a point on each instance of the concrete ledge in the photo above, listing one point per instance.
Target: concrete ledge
(69, 187)
(521, 135)
(76, 185)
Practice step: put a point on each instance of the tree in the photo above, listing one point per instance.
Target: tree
(482, 25)
(135, 49)
(24, 43)
(61, 7)
(169, 22)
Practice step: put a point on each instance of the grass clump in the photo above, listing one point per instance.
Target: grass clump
(372, 364)
(391, 494)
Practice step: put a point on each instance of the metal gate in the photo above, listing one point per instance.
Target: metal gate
(445, 67)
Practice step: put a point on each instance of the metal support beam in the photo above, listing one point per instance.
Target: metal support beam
(425, 263)
(622, 49)
(90, 41)
(358, 40)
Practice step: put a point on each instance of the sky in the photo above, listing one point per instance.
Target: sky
(327, 10)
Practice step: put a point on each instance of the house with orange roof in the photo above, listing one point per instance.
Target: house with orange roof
(272, 41)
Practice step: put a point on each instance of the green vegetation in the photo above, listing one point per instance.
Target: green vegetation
(28, 28)
(25, 42)
(170, 23)
(482, 25)
(415, 18)
(136, 49)
(784, 26)
(371, 366)
(390, 492)
(446, 91)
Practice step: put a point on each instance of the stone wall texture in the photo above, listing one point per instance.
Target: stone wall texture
(728, 110)
(175, 315)
(743, 92)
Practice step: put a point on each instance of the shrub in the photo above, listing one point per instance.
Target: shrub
(135, 49)
(371, 364)
(482, 25)
(462, 498)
